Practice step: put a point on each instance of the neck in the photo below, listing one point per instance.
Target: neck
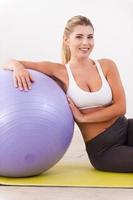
(81, 61)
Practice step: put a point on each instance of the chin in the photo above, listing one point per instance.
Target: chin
(84, 56)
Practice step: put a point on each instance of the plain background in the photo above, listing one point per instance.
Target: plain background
(33, 29)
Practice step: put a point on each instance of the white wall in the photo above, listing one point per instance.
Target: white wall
(32, 30)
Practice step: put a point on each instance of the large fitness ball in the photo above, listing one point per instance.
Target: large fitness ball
(36, 127)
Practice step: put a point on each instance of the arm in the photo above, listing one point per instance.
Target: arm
(44, 66)
(22, 78)
(117, 108)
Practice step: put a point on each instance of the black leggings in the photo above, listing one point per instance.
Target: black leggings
(112, 150)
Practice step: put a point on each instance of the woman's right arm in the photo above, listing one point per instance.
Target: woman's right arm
(22, 78)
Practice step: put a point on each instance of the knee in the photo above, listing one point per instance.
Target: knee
(98, 164)
(103, 164)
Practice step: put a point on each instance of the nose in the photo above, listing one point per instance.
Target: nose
(85, 40)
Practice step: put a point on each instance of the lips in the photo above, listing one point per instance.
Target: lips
(85, 50)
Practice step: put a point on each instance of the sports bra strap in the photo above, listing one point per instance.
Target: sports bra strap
(100, 70)
(70, 75)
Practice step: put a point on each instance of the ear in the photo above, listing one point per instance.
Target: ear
(66, 40)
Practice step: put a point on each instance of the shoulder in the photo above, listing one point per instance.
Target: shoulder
(108, 65)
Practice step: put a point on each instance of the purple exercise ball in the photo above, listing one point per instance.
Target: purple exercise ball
(36, 127)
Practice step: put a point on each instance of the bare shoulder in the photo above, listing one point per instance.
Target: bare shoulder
(108, 65)
(60, 66)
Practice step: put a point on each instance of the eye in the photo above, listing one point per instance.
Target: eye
(79, 36)
(90, 37)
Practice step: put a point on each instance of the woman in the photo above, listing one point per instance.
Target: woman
(95, 94)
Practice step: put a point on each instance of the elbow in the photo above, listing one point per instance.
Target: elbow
(9, 63)
(122, 111)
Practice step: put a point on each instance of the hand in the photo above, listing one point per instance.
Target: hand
(22, 78)
(78, 116)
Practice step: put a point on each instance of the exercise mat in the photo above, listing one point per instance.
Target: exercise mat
(73, 175)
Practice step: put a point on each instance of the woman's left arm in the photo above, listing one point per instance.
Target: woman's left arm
(116, 109)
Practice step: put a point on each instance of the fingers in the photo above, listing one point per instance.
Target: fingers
(31, 78)
(69, 100)
(23, 82)
(78, 116)
(15, 82)
(27, 83)
(71, 104)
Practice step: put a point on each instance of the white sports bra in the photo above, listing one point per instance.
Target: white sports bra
(84, 99)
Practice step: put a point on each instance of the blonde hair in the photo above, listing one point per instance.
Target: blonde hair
(74, 21)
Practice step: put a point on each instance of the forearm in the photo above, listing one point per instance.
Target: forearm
(44, 66)
(104, 114)
(18, 65)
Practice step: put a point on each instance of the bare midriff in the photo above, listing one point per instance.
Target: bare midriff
(91, 130)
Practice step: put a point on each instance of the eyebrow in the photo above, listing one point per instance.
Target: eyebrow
(79, 34)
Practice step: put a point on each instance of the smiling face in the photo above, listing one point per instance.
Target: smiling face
(81, 41)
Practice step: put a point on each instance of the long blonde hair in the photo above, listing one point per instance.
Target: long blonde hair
(74, 21)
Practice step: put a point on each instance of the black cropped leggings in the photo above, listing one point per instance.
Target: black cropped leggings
(112, 150)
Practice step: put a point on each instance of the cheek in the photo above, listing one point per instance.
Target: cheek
(73, 43)
(73, 46)
(92, 43)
